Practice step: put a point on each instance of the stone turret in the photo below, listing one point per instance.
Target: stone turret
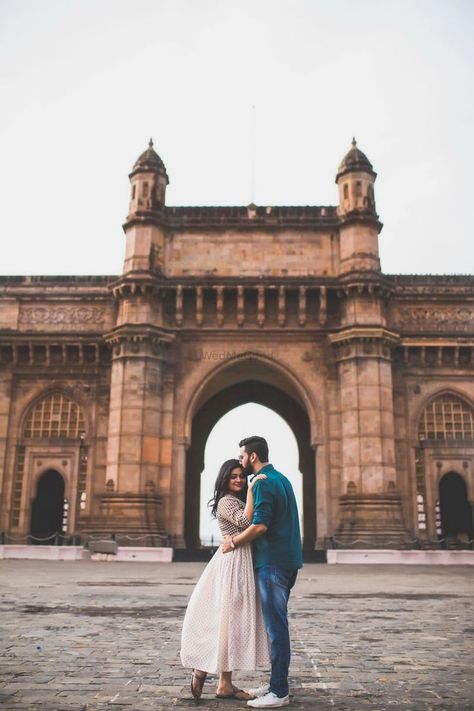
(360, 224)
(148, 183)
(143, 227)
(355, 179)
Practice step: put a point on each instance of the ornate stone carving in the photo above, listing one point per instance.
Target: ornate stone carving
(432, 290)
(62, 316)
(431, 285)
(436, 316)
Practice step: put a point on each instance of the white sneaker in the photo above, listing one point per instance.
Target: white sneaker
(269, 701)
(261, 691)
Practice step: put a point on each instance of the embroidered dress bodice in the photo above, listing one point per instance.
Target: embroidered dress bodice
(230, 515)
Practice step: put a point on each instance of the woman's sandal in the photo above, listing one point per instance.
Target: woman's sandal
(200, 679)
(236, 694)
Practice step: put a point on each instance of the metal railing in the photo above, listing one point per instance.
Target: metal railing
(211, 543)
(76, 539)
(447, 543)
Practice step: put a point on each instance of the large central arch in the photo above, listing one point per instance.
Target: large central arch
(251, 380)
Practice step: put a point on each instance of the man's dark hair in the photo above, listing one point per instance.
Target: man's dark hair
(256, 444)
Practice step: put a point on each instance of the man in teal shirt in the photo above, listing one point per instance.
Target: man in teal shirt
(277, 556)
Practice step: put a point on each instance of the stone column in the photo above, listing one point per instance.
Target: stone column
(178, 492)
(132, 500)
(370, 505)
(322, 497)
(432, 471)
(166, 448)
(5, 402)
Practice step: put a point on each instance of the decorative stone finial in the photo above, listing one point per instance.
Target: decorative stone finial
(150, 143)
(354, 142)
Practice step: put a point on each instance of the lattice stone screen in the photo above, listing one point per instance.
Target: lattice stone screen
(55, 416)
(446, 417)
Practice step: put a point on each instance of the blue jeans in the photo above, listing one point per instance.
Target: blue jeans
(274, 585)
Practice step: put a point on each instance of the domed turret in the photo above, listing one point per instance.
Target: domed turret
(149, 160)
(360, 225)
(148, 180)
(354, 160)
(144, 224)
(355, 179)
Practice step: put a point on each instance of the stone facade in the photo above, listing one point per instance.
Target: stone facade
(110, 385)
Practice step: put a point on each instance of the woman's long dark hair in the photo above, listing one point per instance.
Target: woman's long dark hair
(221, 487)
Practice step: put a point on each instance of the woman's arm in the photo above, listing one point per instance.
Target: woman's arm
(255, 530)
(248, 511)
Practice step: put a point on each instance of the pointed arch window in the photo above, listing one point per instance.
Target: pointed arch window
(446, 417)
(55, 416)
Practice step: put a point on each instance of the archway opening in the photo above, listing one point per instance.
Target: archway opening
(49, 510)
(445, 418)
(212, 410)
(455, 509)
(222, 444)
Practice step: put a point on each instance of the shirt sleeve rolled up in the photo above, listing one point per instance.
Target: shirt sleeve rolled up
(262, 503)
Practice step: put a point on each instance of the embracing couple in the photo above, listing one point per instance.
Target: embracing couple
(237, 615)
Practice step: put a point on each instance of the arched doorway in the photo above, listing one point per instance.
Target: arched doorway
(447, 418)
(210, 412)
(221, 443)
(48, 510)
(455, 509)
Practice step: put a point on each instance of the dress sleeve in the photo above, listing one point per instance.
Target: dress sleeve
(230, 509)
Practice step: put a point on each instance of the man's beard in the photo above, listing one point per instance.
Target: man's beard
(248, 470)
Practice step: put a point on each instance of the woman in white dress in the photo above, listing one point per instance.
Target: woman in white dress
(223, 628)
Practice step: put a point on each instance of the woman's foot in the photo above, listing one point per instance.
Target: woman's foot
(232, 692)
(197, 682)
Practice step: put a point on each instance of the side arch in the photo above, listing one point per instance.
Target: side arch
(74, 435)
(444, 418)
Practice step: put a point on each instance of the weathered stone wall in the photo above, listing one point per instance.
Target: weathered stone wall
(255, 253)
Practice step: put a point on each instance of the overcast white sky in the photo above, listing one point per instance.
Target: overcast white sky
(84, 84)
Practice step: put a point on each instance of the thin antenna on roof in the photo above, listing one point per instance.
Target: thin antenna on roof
(252, 169)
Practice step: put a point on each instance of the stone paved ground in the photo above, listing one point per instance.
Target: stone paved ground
(96, 635)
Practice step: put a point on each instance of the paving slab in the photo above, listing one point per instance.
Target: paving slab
(92, 635)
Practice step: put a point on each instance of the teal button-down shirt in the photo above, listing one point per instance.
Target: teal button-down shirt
(275, 507)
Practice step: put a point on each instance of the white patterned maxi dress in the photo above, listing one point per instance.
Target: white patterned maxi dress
(223, 627)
